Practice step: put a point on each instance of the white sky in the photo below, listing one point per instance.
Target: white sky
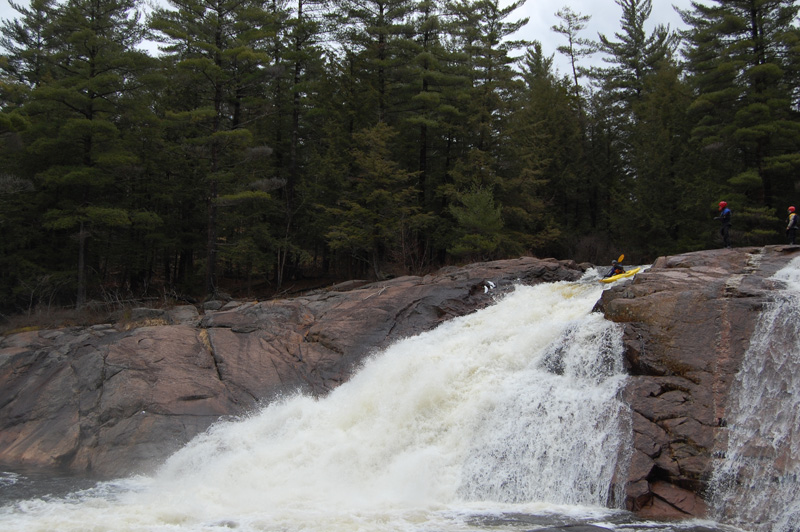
(605, 19)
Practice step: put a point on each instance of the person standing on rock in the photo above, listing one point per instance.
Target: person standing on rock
(725, 218)
(791, 225)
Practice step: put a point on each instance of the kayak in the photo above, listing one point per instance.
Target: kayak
(620, 276)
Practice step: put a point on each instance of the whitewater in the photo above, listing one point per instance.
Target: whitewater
(756, 479)
(510, 411)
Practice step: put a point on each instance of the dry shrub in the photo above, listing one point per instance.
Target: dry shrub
(51, 318)
(150, 322)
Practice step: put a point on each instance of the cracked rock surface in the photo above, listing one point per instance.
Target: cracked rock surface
(687, 323)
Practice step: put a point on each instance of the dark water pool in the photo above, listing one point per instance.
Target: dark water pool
(20, 484)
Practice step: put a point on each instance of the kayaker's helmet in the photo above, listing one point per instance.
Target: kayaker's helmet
(614, 262)
(791, 209)
(723, 204)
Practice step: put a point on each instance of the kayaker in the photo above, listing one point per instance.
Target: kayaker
(791, 225)
(616, 269)
(725, 218)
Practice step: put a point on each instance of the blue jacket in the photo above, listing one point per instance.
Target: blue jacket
(725, 216)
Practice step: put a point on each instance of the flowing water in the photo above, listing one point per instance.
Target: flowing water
(506, 419)
(756, 484)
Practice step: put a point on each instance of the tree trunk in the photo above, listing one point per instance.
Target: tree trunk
(81, 295)
(211, 247)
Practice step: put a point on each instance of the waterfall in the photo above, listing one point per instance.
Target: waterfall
(755, 484)
(511, 409)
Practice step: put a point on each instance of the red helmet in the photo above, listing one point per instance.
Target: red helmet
(723, 204)
(791, 209)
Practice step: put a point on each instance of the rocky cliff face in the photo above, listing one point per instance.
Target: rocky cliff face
(107, 401)
(687, 324)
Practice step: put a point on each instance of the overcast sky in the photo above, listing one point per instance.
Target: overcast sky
(605, 17)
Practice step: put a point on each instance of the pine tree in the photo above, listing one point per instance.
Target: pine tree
(88, 77)
(635, 54)
(372, 34)
(28, 41)
(298, 55)
(217, 54)
(635, 59)
(379, 206)
(479, 222)
(661, 220)
(742, 59)
(428, 110)
(577, 47)
(481, 31)
(545, 156)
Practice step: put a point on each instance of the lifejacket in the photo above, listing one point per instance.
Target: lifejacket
(725, 216)
(616, 269)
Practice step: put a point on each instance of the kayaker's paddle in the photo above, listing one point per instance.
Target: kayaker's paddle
(621, 257)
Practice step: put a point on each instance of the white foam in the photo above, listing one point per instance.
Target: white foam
(757, 483)
(512, 408)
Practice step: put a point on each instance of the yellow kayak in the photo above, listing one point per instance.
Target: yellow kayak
(620, 276)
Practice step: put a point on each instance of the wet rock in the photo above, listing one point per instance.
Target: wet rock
(687, 324)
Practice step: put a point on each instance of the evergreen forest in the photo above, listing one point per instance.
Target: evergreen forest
(261, 147)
